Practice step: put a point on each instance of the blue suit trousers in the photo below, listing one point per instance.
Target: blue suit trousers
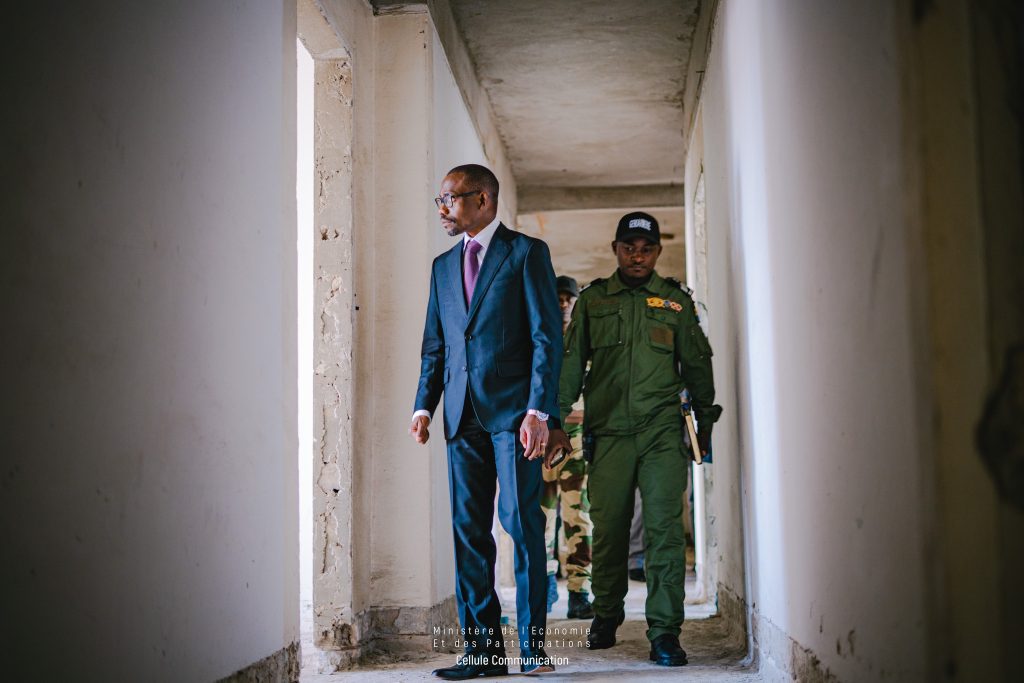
(477, 459)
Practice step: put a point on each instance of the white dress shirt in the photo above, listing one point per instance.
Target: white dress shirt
(483, 238)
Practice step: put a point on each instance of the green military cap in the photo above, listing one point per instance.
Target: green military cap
(564, 283)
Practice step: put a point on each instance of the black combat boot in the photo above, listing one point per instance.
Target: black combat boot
(665, 651)
(579, 606)
(602, 631)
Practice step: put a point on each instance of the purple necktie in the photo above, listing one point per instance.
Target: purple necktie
(471, 269)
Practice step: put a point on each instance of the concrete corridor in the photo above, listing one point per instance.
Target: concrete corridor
(715, 654)
(218, 224)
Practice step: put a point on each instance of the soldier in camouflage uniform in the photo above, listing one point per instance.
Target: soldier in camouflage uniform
(640, 335)
(566, 483)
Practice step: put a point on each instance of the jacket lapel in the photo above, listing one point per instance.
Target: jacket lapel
(453, 270)
(496, 254)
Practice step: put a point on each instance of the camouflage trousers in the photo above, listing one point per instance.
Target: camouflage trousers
(566, 483)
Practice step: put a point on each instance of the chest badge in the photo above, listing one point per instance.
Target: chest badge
(658, 302)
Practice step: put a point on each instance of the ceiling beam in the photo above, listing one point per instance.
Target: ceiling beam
(383, 7)
(541, 199)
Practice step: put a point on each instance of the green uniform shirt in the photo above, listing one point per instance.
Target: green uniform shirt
(644, 345)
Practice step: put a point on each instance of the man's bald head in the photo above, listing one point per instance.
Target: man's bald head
(479, 177)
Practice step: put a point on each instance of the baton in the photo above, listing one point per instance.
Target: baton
(691, 430)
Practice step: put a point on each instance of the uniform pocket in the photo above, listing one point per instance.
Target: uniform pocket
(661, 329)
(605, 326)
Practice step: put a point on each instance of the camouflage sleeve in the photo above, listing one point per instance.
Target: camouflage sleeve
(694, 354)
(574, 360)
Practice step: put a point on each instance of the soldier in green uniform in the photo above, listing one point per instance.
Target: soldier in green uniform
(565, 491)
(639, 332)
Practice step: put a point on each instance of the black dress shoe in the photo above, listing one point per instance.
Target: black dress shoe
(602, 631)
(638, 574)
(471, 666)
(579, 606)
(665, 651)
(536, 662)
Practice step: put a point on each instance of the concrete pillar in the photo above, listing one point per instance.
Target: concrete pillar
(336, 635)
(332, 365)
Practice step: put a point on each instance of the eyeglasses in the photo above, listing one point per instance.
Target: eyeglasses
(448, 199)
(645, 251)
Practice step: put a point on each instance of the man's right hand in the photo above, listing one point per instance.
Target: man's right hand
(558, 441)
(704, 442)
(419, 428)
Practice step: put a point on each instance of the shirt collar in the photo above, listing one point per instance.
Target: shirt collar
(484, 236)
(615, 283)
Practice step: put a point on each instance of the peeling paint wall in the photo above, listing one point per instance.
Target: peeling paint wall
(332, 354)
(337, 627)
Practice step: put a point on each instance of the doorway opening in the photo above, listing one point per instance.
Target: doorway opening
(304, 105)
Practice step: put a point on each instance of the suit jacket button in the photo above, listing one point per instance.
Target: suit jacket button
(468, 337)
(463, 367)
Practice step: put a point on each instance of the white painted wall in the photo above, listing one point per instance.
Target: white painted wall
(401, 256)
(149, 482)
(817, 468)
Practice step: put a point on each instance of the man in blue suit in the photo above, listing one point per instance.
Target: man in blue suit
(492, 344)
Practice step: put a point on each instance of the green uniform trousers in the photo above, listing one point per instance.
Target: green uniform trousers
(653, 461)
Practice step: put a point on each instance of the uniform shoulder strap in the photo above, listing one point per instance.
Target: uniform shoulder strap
(595, 281)
(679, 285)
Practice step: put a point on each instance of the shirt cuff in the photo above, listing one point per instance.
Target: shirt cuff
(543, 417)
(424, 413)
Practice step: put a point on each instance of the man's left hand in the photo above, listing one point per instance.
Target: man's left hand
(533, 434)
(558, 442)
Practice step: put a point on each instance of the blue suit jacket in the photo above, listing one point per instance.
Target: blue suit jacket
(506, 349)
